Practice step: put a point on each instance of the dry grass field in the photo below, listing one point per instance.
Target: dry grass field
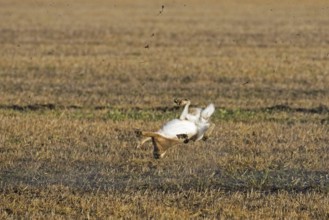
(77, 77)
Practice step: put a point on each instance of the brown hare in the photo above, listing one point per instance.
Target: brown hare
(190, 126)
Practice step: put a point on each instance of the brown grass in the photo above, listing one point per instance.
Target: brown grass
(76, 80)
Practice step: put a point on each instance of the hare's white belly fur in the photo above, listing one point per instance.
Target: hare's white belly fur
(174, 127)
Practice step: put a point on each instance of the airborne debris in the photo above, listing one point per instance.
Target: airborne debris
(162, 8)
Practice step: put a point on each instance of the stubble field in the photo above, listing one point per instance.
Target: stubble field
(78, 77)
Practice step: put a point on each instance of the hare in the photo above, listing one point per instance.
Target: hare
(190, 126)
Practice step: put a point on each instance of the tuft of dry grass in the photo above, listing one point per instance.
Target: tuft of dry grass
(76, 80)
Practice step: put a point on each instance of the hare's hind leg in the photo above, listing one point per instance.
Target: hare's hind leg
(143, 141)
(161, 145)
(140, 133)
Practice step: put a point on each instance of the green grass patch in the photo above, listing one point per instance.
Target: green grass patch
(221, 114)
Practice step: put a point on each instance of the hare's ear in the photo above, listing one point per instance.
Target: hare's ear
(208, 111)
